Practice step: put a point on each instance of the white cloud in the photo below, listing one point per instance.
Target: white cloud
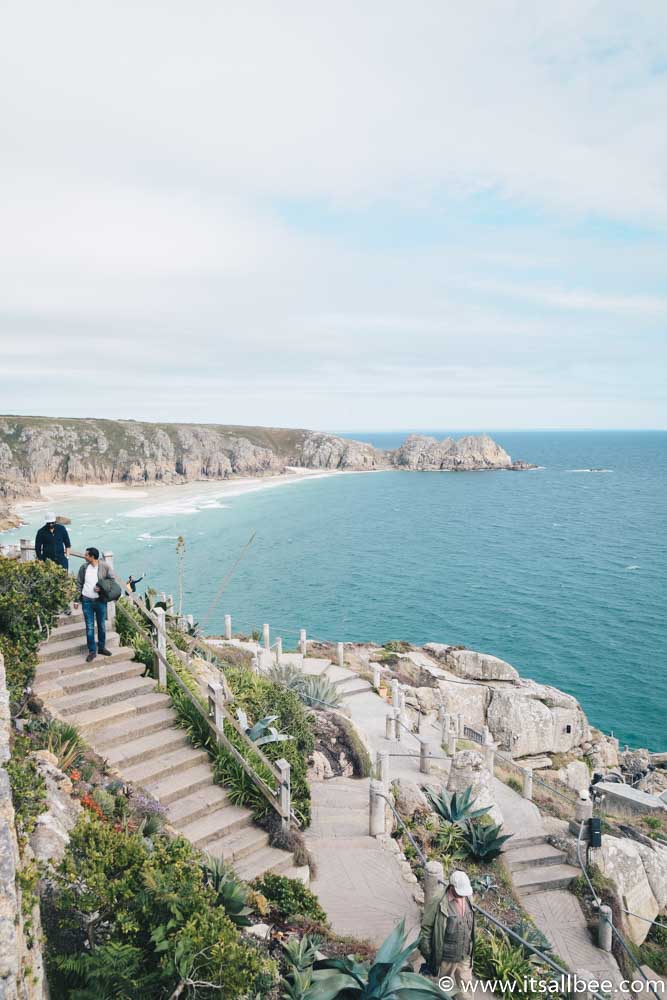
(146, 150)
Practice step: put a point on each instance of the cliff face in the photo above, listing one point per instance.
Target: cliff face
(36, 450)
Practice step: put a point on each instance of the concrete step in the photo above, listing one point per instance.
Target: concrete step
(104, 695)
(70, 629)
(89, 721)
(50, 651)
(239, 845)
(98, 675)
(188, 808)
(519, 841)
(144, 748)
(339, 675)
(216, 825)
(533, 857)
(543, 878)
(74, 664)
(174, 788)
(269, 859)
(315, 668)
(134, 727)
(76, 616)
(150, 771)
(350, 688)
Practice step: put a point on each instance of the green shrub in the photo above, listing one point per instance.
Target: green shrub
(496, 957)
(289, 898)
(30, 593)
(397, 646)
(28, 790)
(123, 920)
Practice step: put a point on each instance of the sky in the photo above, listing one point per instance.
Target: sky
(342, 216)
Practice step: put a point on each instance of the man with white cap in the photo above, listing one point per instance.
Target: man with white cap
(447, 934)
(52, 542)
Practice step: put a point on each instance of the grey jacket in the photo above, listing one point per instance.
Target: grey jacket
(104, 571)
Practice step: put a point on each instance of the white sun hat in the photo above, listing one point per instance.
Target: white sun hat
(49, 517)
(460, 883)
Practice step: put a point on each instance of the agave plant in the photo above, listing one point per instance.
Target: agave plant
(64, 741)
(301, 953)
(457, 807)
(231, 894)
(319, 692)
(388, 978)
(484, 843)
(534, 937)
(297, 985)
(287, 676)
(255, 733)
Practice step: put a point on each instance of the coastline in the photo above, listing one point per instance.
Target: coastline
(59, 493)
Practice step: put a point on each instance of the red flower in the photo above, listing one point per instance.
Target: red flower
(75, 775)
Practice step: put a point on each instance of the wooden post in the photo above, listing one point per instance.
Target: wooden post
(190, 621)
(303, 642)
(451, 743)
(216, 699)
(605, 928)
(397, 724)
(228, 626)
(434, 876)
(111, 606)
(395, 695)
(382, 766)
(390, 727)
(446, 727)
(279, 650)
(162, 648)
(376, 676)
(340, 652)
(285, 793)
(425, 757)
(376, 818)
(527, 790)
(25, 554)
(267, 637)
(461, 724)
(489, 751)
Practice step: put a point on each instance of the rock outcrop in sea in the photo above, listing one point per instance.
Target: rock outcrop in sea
(40, 450)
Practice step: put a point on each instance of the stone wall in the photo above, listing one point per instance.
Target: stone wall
(21, 966)
(9, 861)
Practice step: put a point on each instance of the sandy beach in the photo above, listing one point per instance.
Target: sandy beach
(58, 495)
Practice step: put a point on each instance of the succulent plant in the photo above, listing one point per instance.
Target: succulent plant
(456, 807)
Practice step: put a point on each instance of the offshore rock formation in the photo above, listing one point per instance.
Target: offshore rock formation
(36, 450)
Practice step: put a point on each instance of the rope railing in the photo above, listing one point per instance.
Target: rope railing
(217, 715)
(531, 948)
(614, 930)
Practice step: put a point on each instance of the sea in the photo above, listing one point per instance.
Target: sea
(560, 570)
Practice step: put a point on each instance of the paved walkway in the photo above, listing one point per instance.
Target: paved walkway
(359, 882)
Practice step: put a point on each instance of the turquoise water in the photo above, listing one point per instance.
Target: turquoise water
(559, 571)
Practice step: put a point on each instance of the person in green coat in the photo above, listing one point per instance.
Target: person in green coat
(447, 935)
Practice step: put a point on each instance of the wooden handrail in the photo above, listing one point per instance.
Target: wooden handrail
(271, 795)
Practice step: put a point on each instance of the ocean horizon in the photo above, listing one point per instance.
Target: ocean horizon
(559, 571)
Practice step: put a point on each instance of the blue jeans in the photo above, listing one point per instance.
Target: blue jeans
(95, 611)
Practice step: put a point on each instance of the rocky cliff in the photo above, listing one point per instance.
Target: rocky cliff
(36, 450)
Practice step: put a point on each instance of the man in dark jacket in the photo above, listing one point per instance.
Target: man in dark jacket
(52, 542)
(447, 934)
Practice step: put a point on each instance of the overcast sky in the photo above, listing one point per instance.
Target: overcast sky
(349, 215)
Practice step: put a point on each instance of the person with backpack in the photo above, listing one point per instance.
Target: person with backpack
(447, 937)
(97, 585)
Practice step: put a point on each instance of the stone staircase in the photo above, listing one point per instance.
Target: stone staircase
(131, 725)
(348, 682)
(536, 866)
